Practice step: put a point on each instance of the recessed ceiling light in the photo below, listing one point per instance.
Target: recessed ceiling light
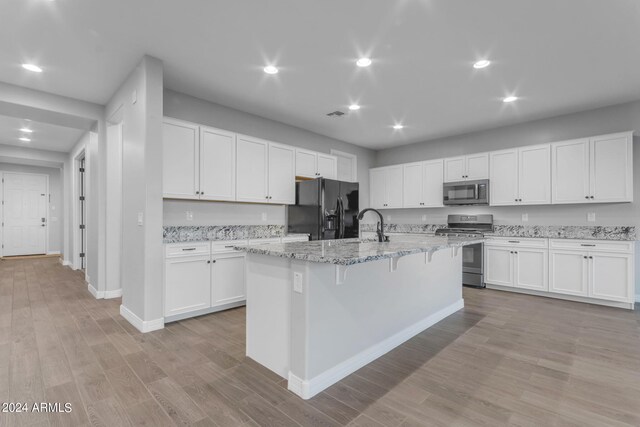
(26, 130)
(270, 69)
(398, 127)
(483, 63)
(363, 62)
(354, 107)
(509, 99)
(32, 67)
(23, 139)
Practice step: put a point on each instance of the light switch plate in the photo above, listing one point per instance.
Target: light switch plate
(424, 218)
(525, 217)
(264, 216)
(388, 218)
(297, 282)
(591, 216)
(189, 215)
(140, 218)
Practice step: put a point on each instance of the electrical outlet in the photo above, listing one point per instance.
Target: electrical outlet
(140, 218)
(388, 218)
(297, 282)
(134, 96)
(264, 216)
(424, 218)
(591, 216)
(525, 217)
(189, 215)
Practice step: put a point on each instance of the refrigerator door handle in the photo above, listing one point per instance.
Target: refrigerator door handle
(341, 207)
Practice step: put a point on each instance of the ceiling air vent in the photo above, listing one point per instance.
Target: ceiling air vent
(336, 114)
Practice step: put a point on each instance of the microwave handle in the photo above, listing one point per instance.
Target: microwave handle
(477, 193)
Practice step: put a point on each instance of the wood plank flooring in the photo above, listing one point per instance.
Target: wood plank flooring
(506, 359)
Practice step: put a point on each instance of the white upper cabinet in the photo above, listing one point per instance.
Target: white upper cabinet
(180, 175)
(282, 179)
(570, 171)
(422, 184)
(534, 175)
(503, 178)
(327, 166)
(306, 163)
(466, 168)
(611, 168)
(386, 187)
(597, 169)
(310, 164)
(520, 176)
(251, 170)
(217, 164)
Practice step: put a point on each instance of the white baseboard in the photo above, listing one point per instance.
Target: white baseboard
(53, 253)
(93, 291)
(309, 388)
(65, 262)
(141, 325)
(637, 297)
(113, 294)
(104, 294)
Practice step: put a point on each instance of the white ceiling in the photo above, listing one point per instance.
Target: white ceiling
(44, 136)
(557, 56)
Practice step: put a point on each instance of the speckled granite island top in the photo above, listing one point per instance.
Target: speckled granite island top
(357, 251)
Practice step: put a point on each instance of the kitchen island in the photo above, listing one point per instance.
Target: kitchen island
(318, 311)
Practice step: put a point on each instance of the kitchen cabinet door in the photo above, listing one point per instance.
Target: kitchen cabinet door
(217, 164)
(327, 166)
(611, 168)
(432, 180)
(377, 188)
(394, 187)
(413, 185)
(306, 163)
(227, 279)
(454, 169)
(504, 178)
(611, 276)
(570, 171)
(531, 269)
(187, 284)
(568, 272)
(498, 267)
(534, 175)
(251, 170)
(180, 174)
(282, 179)
(477, 166)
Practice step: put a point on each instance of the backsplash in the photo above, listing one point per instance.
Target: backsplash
(194, 233)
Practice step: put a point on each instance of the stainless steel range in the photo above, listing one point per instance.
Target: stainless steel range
(472, 255)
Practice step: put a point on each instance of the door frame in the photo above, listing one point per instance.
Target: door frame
(48, 202)
(77, 236)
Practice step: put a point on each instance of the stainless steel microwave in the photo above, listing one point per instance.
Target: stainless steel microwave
(466, 192)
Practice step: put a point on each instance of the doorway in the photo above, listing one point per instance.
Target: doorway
(24, 213)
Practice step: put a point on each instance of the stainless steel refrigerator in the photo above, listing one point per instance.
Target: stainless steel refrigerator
(325, 209)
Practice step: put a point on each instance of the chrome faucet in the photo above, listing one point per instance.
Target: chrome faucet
(380, 228)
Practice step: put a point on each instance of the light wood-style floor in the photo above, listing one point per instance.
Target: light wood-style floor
(506, 359)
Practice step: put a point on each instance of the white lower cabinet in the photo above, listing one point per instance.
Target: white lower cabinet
(601, 270)
(518, 263)
(227, 279)
(188, 284)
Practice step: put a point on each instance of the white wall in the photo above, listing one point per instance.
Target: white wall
(616, 118)
(196, 110)
(142, 254)
(56, 205)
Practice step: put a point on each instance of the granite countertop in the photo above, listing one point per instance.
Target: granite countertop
(623, 233)
(357, 251)
(206, 233)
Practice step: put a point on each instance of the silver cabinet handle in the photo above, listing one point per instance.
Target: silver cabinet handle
(514, 241)
(188, 249)
(587, 244)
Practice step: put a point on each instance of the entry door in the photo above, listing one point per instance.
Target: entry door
(25, 214)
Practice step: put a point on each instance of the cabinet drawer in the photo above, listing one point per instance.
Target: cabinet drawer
(591, 245)
(512, 242)
(264, 241)
(192, 248)
(227, 246)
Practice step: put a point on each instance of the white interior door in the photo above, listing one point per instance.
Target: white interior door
(25, 214)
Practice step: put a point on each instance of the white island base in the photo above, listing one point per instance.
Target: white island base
(336, 320)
